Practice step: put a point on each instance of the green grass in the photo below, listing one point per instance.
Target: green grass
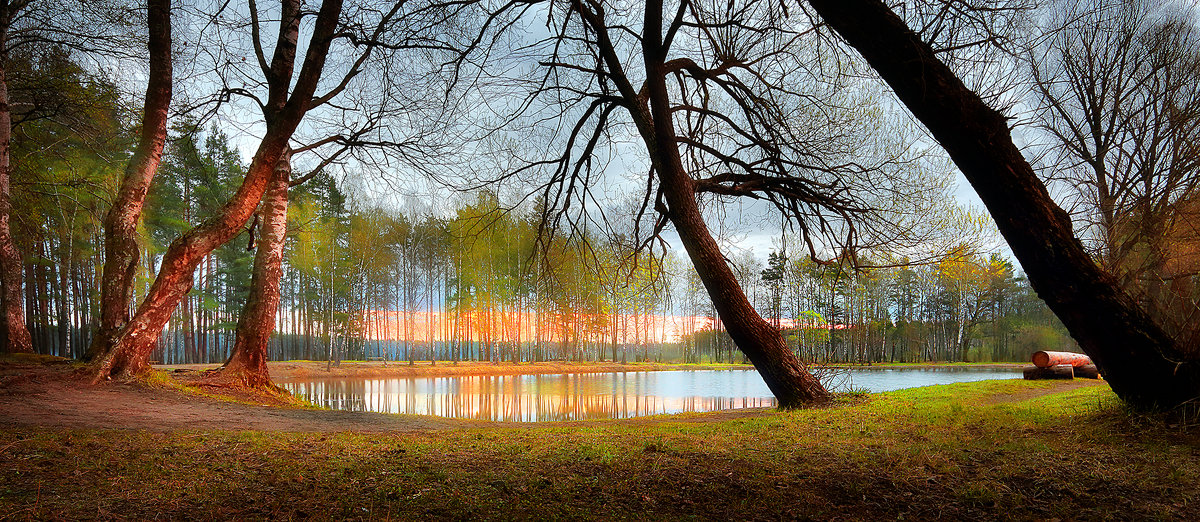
(958, 364)
(964, 451)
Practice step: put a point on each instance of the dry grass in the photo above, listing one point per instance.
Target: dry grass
(947, 452)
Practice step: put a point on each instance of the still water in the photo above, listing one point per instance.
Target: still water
(533, 398)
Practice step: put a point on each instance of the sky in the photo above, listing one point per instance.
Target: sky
(742, 225)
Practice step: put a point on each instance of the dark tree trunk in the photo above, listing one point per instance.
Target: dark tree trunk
(121, 253)
(787, 377)
(248, 362)
(1144, 366)
(14, 336)
(130, 355)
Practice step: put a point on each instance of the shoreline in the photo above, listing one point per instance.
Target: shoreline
(294, 370)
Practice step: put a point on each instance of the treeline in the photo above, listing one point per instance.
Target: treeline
(967, 307)
(475, 281)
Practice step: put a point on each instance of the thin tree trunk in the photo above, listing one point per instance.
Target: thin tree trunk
(248, 361)
(32, 312)
(1144, 366)
(63, 312)
(121, 254)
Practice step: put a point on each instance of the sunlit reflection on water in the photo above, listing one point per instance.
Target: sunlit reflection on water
(530, 398)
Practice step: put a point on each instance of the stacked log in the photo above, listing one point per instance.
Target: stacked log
(1048, 359)
(1060, 371)
(1061, 365)
(1087, 372)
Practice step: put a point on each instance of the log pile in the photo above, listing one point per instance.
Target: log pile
(1058, 371)
(1061, 365)
(1087, 372)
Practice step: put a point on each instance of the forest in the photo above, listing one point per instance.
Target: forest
(440, 182)
(599, 259)
(363, 282)
(359, 277)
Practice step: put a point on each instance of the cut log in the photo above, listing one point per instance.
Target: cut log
(1048, 359)
(1087, 372)
(1062, 371)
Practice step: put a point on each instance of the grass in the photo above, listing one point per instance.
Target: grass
(927, 364)
(965, 451)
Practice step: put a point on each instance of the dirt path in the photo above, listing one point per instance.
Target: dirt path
(42, 396)
(50, 396)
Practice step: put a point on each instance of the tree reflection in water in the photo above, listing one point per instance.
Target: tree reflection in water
(533, 398)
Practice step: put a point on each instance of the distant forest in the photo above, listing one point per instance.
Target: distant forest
(493, 284)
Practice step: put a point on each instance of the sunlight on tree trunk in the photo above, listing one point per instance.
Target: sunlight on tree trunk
(247, 363)
(121, 249)
(283, 111)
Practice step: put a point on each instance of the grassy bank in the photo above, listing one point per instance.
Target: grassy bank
(975, 450)
(932, 365)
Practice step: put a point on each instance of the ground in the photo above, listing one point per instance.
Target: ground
(990, 450)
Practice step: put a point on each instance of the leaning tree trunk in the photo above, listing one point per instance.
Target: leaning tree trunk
(131, 353)
(1144, 365)
(787, 377)
(121, 252)
(247, 363)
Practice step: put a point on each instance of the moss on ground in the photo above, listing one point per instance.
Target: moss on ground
(964, 451)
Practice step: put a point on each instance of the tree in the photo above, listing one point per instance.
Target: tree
(16, 337)
(247, 361)
(1144, 365)
(385, 106)
(121, 249)
(1117, 83)
(68, 132)
(772, 276)
(701, 88)
(24, 26)
(287, 100)
(966, 281)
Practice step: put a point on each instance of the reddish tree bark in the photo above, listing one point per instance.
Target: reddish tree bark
(1140, 361)
(121, 252)
(283, 111)
(16, 337)
(247, 362)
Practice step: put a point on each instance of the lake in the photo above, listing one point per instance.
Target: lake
(554, 397)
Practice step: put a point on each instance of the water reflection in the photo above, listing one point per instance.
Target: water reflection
(530, 398)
